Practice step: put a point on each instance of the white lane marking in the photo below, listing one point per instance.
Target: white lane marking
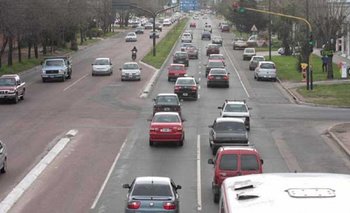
(16, 193)
(199, 180)
(108, 176)
(199, 79)
(239, 77)
(75, 82)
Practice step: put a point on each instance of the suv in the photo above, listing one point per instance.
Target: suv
(234, 161)
(11, 87)
(56, 67)
(236, 109)
(181, 57)
(3, 158)
(227, 132)
(166, 102)
(186, 87)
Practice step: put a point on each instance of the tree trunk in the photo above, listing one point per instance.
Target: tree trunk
(330, 68)
(29, 49)
(19, 48)
(2, 50)
(9, 57)
(36, 52)
(81, 36)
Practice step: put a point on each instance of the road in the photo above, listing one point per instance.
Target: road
(108, 113)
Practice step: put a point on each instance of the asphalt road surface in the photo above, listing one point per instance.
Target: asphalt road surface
(109, 114)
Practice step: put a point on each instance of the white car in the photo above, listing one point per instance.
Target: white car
(3, 158)
(236, 109)
(131, 71)
(102, 66)
(131, 37)
(186, 37)
(166, 22)
(265, 70)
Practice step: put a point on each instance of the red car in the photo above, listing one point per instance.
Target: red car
(166, 127)
(193, 24)
(233, 161)
(175, 71)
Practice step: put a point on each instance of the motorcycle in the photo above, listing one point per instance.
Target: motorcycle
(133, 55)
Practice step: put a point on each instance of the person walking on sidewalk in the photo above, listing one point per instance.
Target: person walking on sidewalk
(324, 63)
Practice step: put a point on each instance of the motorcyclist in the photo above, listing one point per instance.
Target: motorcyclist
(133, 53)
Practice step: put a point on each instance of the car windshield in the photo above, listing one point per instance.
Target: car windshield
(54, 63)
(229, 127)
(185, 81)
(215, 64)
(228, 162)
(249, 51)
(258, 59)
(7, 82)
(176, 68)
(249, 163)
(267, 66)
(216, 57)
(212, 46)
(217, 72)
(181, 55)
(169, 100)
(152, 190)
(102, 62)
(131, 34)
(166, 118)
(235, 108)
(130, 66)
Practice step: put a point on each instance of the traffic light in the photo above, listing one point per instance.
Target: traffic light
(311, 43)
(237, 7)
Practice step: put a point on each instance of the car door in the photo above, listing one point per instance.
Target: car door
(227, 166)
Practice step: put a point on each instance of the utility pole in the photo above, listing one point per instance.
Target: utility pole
(308, 49)
(270, 42)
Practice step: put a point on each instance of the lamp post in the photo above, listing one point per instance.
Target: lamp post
(270, 42)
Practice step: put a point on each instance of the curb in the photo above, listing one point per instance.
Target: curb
(337, 140)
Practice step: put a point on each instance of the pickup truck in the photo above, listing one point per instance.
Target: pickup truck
(57, 67)
(12, 88)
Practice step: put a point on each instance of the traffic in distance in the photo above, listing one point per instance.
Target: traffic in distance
(238, 182)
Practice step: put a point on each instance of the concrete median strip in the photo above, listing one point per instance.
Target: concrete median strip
(16, 193)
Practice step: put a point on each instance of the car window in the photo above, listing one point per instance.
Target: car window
(0, 146)
(54, 63)
(229, 127)
(217, 72)
(215, 57)
(228, 162)
(101, 62)
(249, 163)
(7, 82)
(267, 66)
(235, 108)
(181, 55)
(215, 64)
(249, 50)
(166, 118)
(176, 67)
(130, 66)
(185, 81)
(131, 34)
(166, 100)
(152, 190)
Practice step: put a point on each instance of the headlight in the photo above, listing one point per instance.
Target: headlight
(61, 71)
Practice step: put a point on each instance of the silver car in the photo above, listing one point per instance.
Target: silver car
(254, 61)
(248, 53)
(152, 194)
(131, 37)
(265, 70)
(102, 66)
(3, 158)
(131, 71)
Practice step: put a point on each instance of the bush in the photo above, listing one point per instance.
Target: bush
(94, 32)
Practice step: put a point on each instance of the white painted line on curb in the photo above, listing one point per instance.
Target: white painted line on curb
(239, 77)
(93, 206)
(16, 193)
(199, 180)
(75, 82)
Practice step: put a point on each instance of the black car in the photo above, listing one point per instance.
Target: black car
(186, 87)
(181, 57)
(213, 64)
(206, 35)
(152, 194)
(227, 132)
(218, 77)
(166, 102)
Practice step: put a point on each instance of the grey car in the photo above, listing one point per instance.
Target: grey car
(3, 158)
(254, 61)
(265, 70)
(248, 53)
(131, 71)
(102, 66)
(152, 194)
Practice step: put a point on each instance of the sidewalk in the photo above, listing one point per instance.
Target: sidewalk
(341, 135)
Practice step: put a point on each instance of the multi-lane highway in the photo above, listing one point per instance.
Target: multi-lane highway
(111, 146)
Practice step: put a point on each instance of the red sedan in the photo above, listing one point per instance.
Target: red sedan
(175, 71)
(193, 25)
(166, 127)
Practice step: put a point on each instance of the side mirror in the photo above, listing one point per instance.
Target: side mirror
(126, 186)
(183, 120)
(149, 119)
(261, 161)
(178, 187)
(120, 68)
(210, 161)
(219, 107)
(92, 64)
(210, 126)
(250, 108)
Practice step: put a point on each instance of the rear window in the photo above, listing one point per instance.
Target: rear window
(167, 100)
(249, 51)
(267, 66)
(228, 162)
(229, 126)
(216, 57)
(217, 72)
(185, 81)
(216, 64)
(259, 59)
(152, 190)
(235, 108)
(176, 68)
(166, 118)
(181, 55)
(249, 163)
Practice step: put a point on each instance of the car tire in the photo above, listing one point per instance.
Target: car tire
(22, 96)
(63, 78)
(151, 143)
(44, 80)
(4, 167)
(216, 197)
(16, 99)
(214, 150)
(169, 79)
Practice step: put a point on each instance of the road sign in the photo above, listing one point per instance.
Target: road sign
(254, 29)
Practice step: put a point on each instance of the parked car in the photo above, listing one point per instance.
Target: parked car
(12, 88)
(254, 61)
(206, 35)
(213, 64)
(218, 77)
(213, 49)
(140, 30)
(152, 194)
(3, 158)
(217, 40)
(175, 71)
(102, 66)
(234, 161)
(239, 43)
(131, 37)
(186, 87)
(227, 132)
(265, 70)
(248, 53)
(167, 102)
(131, 71)
(236, 109)
(180, 57)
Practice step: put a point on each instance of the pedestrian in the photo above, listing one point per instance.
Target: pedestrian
(324, 63)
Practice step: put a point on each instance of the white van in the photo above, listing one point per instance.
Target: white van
(285, 192)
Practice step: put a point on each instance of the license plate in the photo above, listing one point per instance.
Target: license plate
(217, 77)
(184, 94)
(165, 130)
(166, 109)
(176, 74)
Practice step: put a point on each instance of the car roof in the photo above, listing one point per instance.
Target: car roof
(216, 68)
(235, 102)
(166, 94)
(225, 119)
(10, 76)
(182, 65)
(216, 55)
(214, 60)
(237, 148)
(258, 56)
(102, 59)
(182, 52)
(166, 113)
(131, 62)
(249, 48)
(186, 77)
(152, 179)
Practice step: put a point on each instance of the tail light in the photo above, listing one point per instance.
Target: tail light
(225, 78)
(210, 77)
(134, 205)
(169, 206)
(154, 129)
(194, 88)
(177, 128)
(177, 88)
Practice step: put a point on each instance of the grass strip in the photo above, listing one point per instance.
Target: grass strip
(164, 47)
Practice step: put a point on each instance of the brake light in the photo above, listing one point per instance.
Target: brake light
(177, 88)
(210, 77)
(169, 206)
(177, 128)
(134, 205)
(154, 129)
(225, 78)
(194, 88)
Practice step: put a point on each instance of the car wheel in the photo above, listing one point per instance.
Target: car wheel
(15, 100)
(275, 79)
(214, 150)
(63, 78)
(257, 78)
(44, 80)
(151, 143)
(4, 167)
(216, 197)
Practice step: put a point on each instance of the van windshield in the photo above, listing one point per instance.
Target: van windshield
(228, 162)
